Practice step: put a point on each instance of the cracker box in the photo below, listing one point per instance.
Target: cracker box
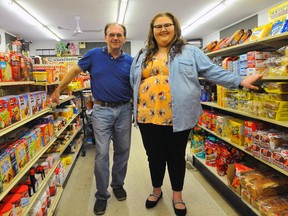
(253, 55)
(48, 120)
(44, 99)
(11, 151)
(33, 103)
(36, 135)
(24, 106)
(44, 133)
(5, 119)
(253, 70)
(39, 101)
(6, 169)
(222, 125)
(256, 64)
(14, 108)
(31, 144)
(21, 152)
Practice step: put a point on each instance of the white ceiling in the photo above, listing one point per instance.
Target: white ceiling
(96, 13)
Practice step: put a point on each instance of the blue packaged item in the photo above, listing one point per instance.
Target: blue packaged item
(285, 27)
(276, 28)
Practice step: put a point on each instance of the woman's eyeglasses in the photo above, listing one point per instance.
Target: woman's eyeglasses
(166, 26)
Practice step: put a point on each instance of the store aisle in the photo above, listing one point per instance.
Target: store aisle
(78, 196)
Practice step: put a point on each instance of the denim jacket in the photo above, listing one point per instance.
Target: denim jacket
(184, 71)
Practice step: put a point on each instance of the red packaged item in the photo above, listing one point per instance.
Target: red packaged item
(14, 108)
(210, 147)
(15, 66)
(23, 69)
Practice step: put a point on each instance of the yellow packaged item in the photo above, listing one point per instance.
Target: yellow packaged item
(222, 125)
(276, 87)
(39, 76)
(261, 32)
(278, 97)
(237, 131)
(276, 105)
(277, 71)
(277, 115)
(68, 160)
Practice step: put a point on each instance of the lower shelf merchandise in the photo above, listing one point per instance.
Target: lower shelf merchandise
(242, 179)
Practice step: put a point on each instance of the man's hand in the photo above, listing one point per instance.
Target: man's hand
(55, 96)
(248, 81)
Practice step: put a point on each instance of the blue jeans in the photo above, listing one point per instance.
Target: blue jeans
(111, 123)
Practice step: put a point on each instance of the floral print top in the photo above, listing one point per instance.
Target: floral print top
(155, 104)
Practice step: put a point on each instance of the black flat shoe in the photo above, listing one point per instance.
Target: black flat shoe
(151, 204)
(179, 212)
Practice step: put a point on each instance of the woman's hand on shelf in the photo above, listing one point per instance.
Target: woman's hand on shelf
(248, 81)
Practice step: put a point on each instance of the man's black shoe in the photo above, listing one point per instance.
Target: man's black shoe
(100, 207)
(120, 193)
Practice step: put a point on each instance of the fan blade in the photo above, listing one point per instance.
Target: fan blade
(59, 27)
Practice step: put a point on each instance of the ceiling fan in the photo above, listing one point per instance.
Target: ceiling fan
(78, 30)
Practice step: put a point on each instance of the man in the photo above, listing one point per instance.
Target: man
(109, 71)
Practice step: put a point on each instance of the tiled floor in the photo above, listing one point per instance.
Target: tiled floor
(78, 197)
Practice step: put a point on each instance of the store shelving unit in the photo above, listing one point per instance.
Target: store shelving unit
(267, 43)
(11, 128)
(270, 43)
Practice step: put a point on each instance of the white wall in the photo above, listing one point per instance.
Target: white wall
(135, 46)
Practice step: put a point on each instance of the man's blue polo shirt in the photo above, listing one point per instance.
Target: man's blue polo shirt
(109, 76)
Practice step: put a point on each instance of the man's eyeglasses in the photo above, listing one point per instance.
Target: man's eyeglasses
(112, 35)
(166, 26)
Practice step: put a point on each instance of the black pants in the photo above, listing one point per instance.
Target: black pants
(165, 147)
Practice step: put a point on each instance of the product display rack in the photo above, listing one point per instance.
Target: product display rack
(270, 43)
(41, 153)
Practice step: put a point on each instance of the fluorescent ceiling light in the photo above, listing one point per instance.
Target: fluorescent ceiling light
(205, 15)
(122, 11)
(25, 15)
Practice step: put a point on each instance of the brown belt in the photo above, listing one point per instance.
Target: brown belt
(109, 104)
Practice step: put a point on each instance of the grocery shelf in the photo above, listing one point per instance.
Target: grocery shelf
(41, 188)
(226, 139)
(267, 43)
(23, 122)
(215, 105)
(19, 175)
(55, 201)
(62, 101)
(16, 83)
(221, 185)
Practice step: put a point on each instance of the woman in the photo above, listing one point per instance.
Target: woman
(164, 78)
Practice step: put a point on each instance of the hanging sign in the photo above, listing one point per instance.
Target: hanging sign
(278, 13)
